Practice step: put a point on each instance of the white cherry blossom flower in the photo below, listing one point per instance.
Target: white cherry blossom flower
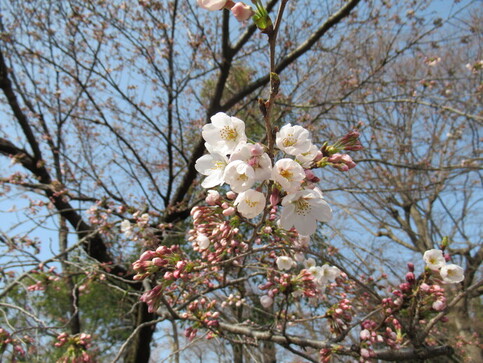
(302, 241)
(289, 174)
(307, 157)
(224, 133)
(303, 209)
(299, 257)
(331, 272)
(284, 263)
(309, 262)
(293, 140)
(254, 156)
(239, 175)
(452, 273)
(324, 274)
(127, 228)
(212, 5)
(250, 203)
(434, 259)
(213, 166)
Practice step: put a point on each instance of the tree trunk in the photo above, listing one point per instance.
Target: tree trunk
(237, 353)
(139, 350)
(269, 353)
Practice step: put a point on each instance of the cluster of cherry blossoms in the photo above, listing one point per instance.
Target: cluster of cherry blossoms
(247, 167)
(259, 184)
(436, 261)
(76, 348)
(7, 339)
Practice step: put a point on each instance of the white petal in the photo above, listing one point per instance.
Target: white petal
(305, 225)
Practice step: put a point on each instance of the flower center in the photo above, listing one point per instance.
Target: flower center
(242, 177)
(287, 174)
(302, 207)
(289, 141)
(218, 165)
(228, 133)
(251, 203)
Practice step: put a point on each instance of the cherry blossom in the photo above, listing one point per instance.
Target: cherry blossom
(254, 156)
(224, 133)
(452, 273)
(250, 203)
(307, 157)
(324, 274)
(289, 174)
(239, 175)
(284, 263)
(213, 166)
(434, 259)
(302, 210)
(293, 140)
(126, 228)
(309, 262)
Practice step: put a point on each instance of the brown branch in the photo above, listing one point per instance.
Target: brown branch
(6, 87)
(383, 354)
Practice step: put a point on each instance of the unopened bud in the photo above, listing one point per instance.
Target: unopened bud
(241, 11)
(410, 277)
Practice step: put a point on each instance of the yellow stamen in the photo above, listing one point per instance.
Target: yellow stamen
(228, 133)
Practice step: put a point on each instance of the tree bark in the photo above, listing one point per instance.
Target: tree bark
(139, 350)
(237, 353)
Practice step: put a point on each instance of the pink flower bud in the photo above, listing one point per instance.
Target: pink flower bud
(242, 11)
(365, 334)
(411, 267)
(309, 174)
(158, 262)
(213, 197)
(180, 265)
(410, 277)
(266, 301)
(425, 287)
(439, 305)
(335, 158)
(231, 195)
(365, 353)
(347, 160)
(229, 211)
(319, 156)
(405, 287)
(275, 197)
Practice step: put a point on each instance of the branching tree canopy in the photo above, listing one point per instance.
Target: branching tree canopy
(211, 180)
